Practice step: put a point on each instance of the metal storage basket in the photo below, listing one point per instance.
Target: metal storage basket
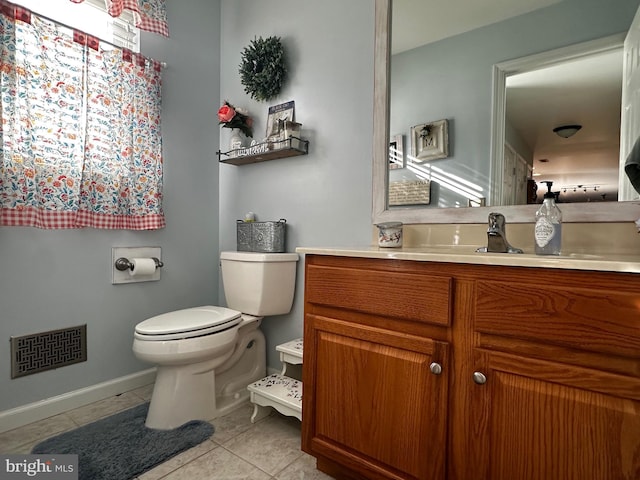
(265, 237)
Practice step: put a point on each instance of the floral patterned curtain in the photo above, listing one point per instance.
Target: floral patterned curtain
(150, 15)
(80, 142)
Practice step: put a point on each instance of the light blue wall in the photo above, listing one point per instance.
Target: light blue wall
(326, 195)
(56, 279)
(451, 78)
(513, 138)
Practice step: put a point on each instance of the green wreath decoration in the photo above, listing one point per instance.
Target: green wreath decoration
(263, 69)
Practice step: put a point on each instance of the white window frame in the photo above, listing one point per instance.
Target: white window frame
(90, 17)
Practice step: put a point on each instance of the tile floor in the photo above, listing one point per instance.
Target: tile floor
(238, 449)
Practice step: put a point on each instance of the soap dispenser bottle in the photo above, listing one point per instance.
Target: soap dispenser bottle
(548, 229)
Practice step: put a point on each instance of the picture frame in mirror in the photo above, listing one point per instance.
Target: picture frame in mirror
(396, 152)
(430, 141)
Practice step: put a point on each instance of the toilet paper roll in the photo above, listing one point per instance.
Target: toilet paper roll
(142, 266)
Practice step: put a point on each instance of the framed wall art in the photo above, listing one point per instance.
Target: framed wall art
(278, 115)
(407, 192)
(430, 141)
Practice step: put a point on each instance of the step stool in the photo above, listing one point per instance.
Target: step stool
(278, 390)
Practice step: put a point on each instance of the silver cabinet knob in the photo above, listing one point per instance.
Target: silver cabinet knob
(435, 368)
(479, 378)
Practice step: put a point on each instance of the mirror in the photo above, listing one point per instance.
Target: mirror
(476, 128)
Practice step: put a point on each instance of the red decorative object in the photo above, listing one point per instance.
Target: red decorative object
(23, 14)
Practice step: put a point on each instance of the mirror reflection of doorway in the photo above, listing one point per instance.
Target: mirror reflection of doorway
(583, 91)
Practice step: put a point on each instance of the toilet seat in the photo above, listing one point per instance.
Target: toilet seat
(187, 323)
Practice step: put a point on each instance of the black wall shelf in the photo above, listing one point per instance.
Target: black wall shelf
(261, 152)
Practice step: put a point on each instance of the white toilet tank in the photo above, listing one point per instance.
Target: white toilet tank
(259, 284)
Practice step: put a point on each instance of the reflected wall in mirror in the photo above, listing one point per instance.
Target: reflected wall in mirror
(451, 78)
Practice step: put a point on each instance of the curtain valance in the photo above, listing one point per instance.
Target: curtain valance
(150, 15)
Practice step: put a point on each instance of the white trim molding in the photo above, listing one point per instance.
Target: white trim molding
(32, 412)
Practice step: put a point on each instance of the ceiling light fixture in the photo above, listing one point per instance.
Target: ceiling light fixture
(566, 131)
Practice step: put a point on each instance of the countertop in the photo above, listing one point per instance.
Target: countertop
(629, 263)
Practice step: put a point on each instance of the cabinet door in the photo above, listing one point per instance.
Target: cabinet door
(541, 420)
(371, 401)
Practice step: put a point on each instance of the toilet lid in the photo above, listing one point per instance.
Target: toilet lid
(189, 322)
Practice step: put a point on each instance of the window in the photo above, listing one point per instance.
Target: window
(80, 142)
(90, 17)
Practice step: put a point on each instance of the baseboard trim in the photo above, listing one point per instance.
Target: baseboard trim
(32, 412)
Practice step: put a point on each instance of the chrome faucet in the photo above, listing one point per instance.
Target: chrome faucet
(497, 237)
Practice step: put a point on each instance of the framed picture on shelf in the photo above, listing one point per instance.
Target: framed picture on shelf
(278, 115)
(430, 141)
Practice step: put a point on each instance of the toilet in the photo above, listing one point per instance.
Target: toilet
(206, 356)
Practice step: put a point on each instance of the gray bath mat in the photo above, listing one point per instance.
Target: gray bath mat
(121, 447)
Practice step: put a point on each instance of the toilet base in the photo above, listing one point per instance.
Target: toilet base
(213, 392)
(170, 407)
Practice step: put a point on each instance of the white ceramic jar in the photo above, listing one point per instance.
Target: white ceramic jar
(389, 234)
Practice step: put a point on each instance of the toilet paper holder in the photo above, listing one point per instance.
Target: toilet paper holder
(124, 264)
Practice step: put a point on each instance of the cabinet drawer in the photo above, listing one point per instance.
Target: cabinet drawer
(413, 296)
(590, 319)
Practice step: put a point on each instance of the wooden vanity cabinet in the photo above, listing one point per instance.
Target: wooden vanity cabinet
(422, 370)
(561, 354)
(375, 368)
